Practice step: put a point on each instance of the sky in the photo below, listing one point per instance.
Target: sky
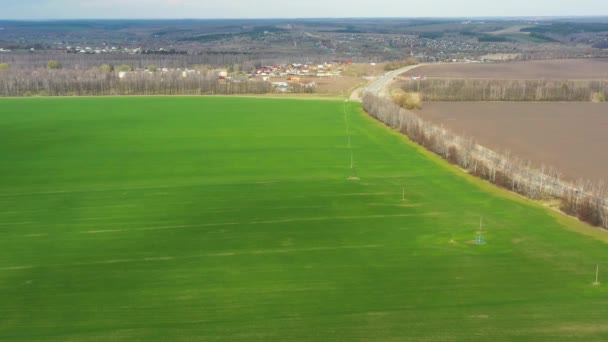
(205, 9)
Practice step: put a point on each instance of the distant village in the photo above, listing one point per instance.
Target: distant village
(121, 50)
(283, 77)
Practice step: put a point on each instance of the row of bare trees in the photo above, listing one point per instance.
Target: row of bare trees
(245, 61)
(138, 61)
(94, 82)
(586, 200)
(443, 89)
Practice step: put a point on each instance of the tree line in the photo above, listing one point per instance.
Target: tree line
(246, 60)
(586, 200)
(98, 81)
(86, 61)
(441, 89)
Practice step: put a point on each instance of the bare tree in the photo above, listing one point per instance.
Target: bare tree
(506, 90)
(583, 199)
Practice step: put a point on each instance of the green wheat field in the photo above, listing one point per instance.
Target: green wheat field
(242, 219)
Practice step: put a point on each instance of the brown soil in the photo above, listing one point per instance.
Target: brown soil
(571, 69)
(571, 137)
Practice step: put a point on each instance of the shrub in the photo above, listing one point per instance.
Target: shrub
(3, 66)
(587, 212)
(53, 65)
(502, 179)
(106, 68)
(568, 203)
(598, 97)
(409, 100)
(125, 67)
(453, 155)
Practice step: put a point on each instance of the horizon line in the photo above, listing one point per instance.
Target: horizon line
(324, 18)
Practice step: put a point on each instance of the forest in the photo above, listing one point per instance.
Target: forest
(91, 75)
(97, 82)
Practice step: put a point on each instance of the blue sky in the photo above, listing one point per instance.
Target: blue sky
(74, 9)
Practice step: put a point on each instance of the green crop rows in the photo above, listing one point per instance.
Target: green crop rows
(240, 219)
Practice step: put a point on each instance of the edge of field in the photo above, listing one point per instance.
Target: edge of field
(256, 96)
(568, 222)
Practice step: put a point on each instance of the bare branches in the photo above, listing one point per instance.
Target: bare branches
(587, 201)
(98, 81)
(507, 90)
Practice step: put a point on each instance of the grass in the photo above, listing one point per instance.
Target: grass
(232, 219)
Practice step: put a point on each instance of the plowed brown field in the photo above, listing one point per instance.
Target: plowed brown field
(580, 69)
(572, 137)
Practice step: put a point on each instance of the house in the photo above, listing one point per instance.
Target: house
(281, 86)
(240, 79)
(188, 72)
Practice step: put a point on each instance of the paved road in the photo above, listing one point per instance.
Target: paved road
(379, 86)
